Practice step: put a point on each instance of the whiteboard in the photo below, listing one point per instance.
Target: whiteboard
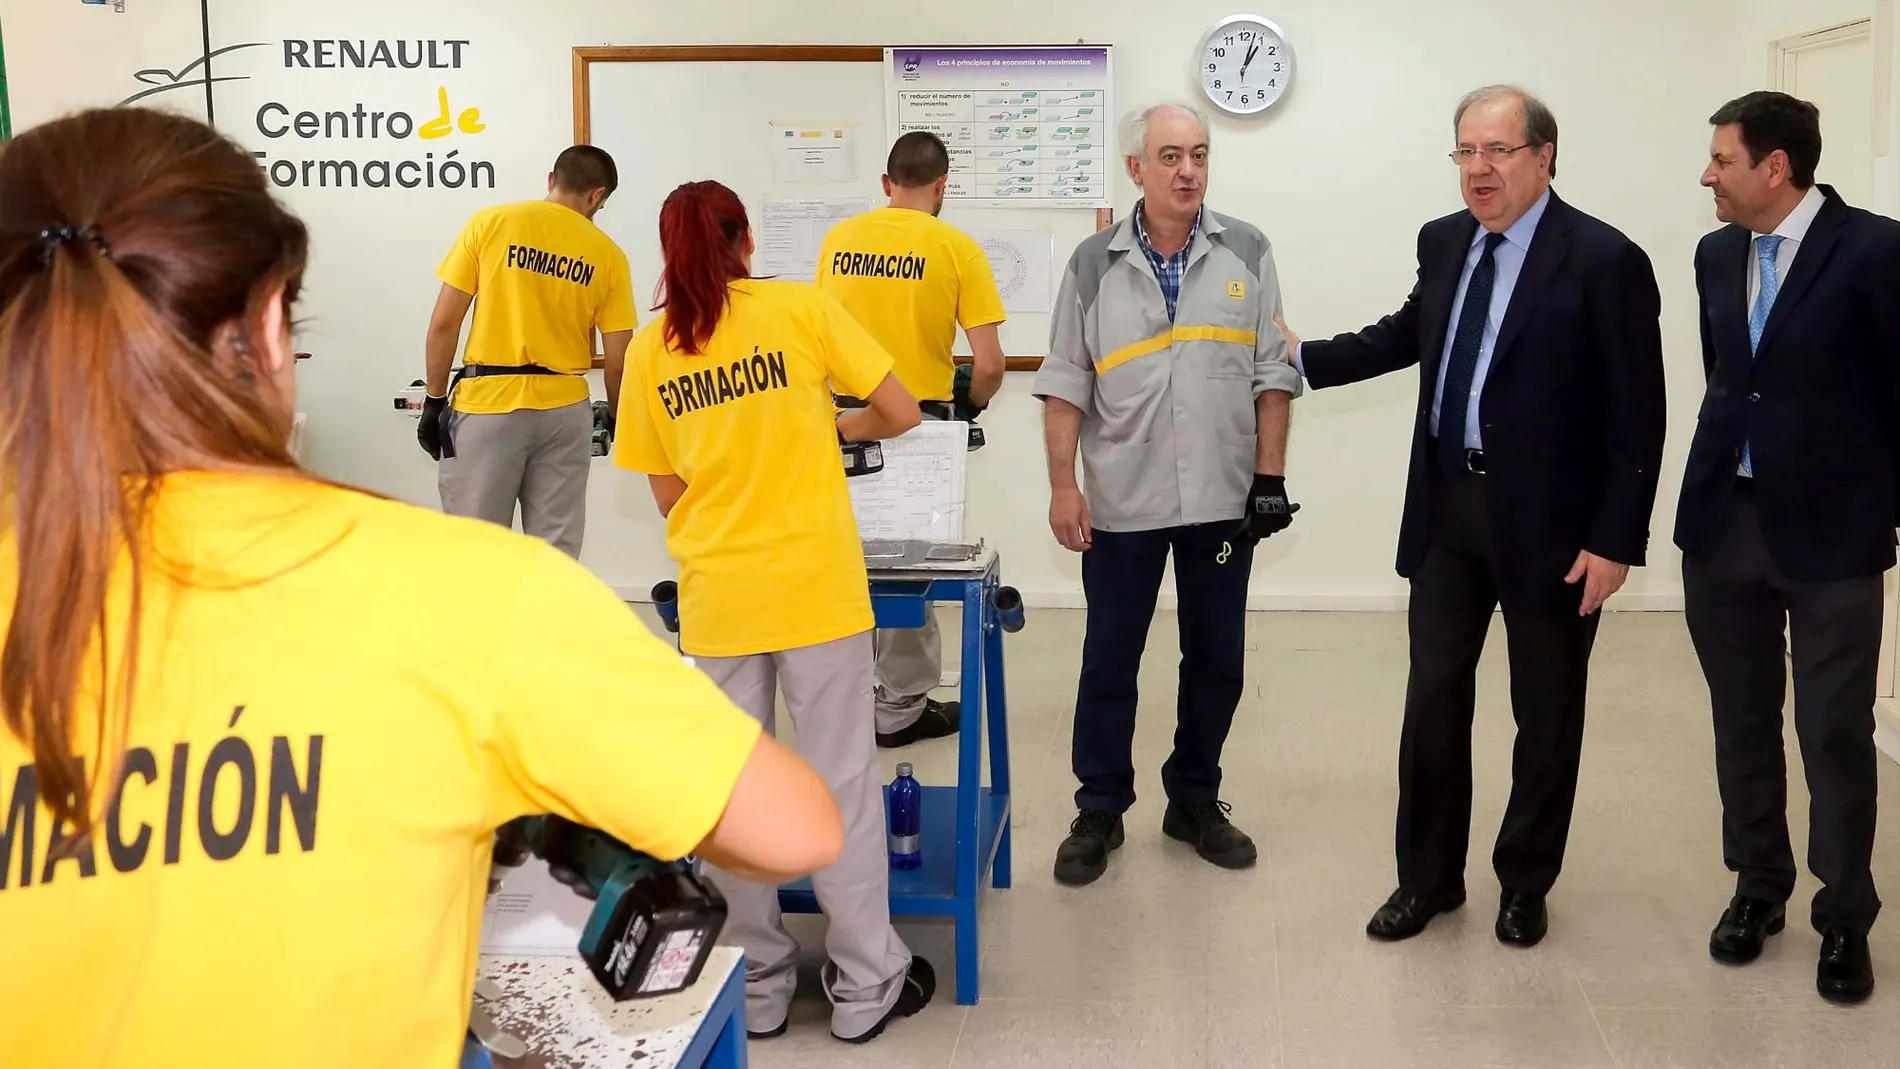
(670, 122)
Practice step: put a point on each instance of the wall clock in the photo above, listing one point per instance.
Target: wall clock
(1245, 65)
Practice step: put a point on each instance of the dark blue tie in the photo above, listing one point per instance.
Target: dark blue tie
(1454, 402)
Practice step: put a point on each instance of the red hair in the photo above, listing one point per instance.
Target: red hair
(702, 230)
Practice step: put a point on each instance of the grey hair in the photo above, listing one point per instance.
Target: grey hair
(1132, 134)
(1540, 123)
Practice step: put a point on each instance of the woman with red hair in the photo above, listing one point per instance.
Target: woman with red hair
(727, 409)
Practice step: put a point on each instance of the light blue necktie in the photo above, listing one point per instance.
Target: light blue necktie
(1766, 247)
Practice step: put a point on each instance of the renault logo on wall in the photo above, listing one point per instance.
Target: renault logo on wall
(164, 81)
(325, 103)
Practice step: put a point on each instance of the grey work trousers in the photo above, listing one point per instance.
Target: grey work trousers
(909, 667)
(828, 696)
(539, 457)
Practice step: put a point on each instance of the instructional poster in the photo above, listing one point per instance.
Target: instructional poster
(1026, 127)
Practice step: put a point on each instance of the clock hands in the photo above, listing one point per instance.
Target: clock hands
(1252, 51)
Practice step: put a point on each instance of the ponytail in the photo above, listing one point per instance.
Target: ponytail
(702, 230)
(124, 356)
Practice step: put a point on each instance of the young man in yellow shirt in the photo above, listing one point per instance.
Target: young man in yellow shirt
(911, 279)
(523, 430)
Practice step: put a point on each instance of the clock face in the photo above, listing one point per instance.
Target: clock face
(1245, 65)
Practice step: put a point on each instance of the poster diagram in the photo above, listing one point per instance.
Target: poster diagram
(1022, 261)
(1026, 127)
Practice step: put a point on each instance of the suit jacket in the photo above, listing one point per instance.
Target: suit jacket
(1572, 412)
(1818, 403)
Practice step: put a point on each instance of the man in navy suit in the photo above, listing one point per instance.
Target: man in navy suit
(1535, 446)
(1787, 520)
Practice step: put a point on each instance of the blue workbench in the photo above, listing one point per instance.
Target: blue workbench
(965, 826)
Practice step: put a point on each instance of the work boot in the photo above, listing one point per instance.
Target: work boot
(1083, 856)
(1205, 827)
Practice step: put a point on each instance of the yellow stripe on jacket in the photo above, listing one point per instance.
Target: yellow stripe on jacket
(1167, 340)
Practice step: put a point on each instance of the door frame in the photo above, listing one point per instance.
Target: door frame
(1782, 52)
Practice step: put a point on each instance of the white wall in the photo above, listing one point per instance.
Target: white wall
(1340, 179)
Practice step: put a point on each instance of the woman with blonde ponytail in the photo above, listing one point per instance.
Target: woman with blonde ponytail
(251, 764)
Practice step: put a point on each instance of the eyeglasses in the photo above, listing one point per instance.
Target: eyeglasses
(1463, 156)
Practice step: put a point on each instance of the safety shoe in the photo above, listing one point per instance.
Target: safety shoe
(939, 719)
(920, 983)
(1083, 856)
(1205, 827)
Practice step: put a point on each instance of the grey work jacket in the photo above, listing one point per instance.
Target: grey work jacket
(1168, 423)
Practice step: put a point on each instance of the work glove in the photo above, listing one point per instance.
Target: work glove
(964, 409)
(1268, 511)
(429, 427)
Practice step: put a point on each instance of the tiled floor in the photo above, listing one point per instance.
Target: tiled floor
(1169, 962)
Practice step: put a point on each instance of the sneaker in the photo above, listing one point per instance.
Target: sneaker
(920, 983)
(939, 719)
(1083, 856)
(1205, 827)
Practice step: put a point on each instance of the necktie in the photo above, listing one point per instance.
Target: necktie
(1766, 247)
(1455, 401)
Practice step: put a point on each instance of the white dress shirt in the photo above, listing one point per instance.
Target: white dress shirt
(1792, 231)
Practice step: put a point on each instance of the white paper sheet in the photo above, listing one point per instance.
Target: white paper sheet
(792, 230)
(920, 492)
(813, 153)
(1023, 262)
(533, 915)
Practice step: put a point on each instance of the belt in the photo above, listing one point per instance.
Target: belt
(1474, 459)
(934, 409)
(480, 371)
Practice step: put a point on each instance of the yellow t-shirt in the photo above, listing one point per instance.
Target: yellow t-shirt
(767, 544)
(544, 279)
(319, 755)
(911, 278)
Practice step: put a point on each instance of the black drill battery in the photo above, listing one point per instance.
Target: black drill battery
(656, 936)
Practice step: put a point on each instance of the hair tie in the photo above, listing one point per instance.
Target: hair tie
(54, 236)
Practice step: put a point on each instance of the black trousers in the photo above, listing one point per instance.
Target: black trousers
(1737, 604)
(1454, 595)
(1121, 577)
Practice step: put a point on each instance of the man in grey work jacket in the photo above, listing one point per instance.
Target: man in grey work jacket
(1167, 367)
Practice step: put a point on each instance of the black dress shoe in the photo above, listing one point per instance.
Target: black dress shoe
(1745, 925)
(1406, 913)
(1846, 972)
(1522, 921)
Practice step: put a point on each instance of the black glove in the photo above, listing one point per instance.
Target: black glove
(964, 409)
(429, 427)
(1268, 512)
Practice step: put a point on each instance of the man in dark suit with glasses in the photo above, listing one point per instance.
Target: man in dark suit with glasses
(1536, 442)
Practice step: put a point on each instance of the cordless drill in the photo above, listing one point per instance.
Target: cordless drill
(654, 922)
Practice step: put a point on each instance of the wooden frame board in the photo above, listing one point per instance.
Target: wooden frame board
(586, 57)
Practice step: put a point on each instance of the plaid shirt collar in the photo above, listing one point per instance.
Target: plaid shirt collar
(1169, 270)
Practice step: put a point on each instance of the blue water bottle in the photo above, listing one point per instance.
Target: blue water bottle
(907, 820)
